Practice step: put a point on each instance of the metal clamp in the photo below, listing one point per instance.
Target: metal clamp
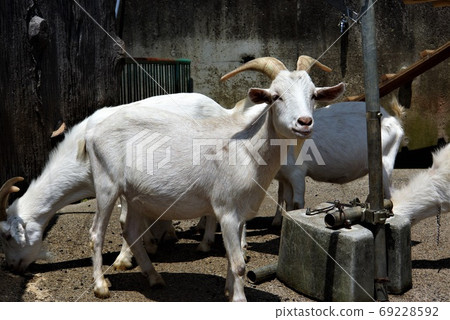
(357, 212)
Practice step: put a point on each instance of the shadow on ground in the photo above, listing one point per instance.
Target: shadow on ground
(182, 287)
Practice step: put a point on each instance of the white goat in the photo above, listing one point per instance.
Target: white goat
(240, 110)
(185, 190)
(340, 140)
(428, 193)
(64, 180)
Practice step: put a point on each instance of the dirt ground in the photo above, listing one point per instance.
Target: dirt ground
(195, 276)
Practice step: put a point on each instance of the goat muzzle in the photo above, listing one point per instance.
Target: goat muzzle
(7, 188)
(306, 63)
(268, 65)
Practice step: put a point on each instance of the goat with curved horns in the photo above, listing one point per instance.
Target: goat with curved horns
(184, 190)
(268, 66)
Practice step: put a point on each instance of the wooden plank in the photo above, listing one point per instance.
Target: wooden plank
(444, 3)
(415, 1)
(436, 3)
(432, 58)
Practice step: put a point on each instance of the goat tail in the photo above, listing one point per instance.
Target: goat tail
(398, 110)
(82, 153)
(441, 159)
(399, 113)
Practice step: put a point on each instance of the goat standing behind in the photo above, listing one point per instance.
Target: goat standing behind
(340, 139)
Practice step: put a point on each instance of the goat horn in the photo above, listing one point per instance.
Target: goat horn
(268, 65)
(7, 188)
(306, 63)
(59, 131)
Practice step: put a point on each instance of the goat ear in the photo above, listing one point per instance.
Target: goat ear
(33, 233)
(18, 231)
(328, 94)
(260, 96)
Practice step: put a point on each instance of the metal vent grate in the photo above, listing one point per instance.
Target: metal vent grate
(153, 77)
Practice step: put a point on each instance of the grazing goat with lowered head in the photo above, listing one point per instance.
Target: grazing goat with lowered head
(65, 179)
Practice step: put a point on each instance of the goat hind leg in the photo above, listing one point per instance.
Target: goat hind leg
(134, 229)
(105, 205)
(123, 260)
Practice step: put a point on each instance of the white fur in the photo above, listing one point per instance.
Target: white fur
(428, 193)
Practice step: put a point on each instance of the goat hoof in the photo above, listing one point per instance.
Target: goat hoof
(122, 265)
(204, 247)
(102, 292)
(169, 237)
(276, 223)
(238, 299)
(156, 281)
(151, 248)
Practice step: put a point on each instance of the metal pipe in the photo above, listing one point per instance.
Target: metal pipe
(348, 217)
(372, 107)
(374, 144)
(262, 274)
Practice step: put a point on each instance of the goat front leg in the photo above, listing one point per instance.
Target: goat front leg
(232, 229)
(133, 232)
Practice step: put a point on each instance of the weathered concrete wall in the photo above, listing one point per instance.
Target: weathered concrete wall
(219, 35)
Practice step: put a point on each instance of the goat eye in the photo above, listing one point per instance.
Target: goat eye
(277, 97)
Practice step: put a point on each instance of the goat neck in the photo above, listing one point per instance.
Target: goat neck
(64, 180)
